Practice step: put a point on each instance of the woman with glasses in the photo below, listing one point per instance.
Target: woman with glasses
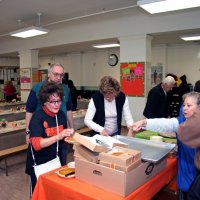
(55, 74)
(47, 126)
(104, 113)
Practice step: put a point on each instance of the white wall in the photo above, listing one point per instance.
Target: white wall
(86, 69)
(179, 60)
(14, 62)
(185, 60)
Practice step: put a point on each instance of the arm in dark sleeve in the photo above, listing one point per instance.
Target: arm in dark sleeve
(189, 131)
(31, 103)
(69, 103)
(149, 111)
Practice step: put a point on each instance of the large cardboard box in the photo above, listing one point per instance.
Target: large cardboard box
(121, 168)
(120, 156)
(90, 142)
(118, 182)
(83, 152)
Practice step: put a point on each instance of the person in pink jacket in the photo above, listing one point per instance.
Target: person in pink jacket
(9, 91)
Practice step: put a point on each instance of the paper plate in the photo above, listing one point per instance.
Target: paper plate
(63, 172)
(70, 140)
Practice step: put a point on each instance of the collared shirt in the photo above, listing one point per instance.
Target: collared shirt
(110, 116)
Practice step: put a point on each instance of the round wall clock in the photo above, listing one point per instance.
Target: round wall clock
(112, 60)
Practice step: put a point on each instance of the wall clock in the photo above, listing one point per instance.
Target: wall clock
(112, 60)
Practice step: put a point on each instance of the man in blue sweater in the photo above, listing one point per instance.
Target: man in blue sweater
(55, 74)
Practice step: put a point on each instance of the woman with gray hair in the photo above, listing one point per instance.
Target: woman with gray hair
(187, 170)
(104, 113)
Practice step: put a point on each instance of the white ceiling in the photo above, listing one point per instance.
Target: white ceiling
(25, 11)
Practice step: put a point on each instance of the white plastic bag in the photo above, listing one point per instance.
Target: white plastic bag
(46, 167)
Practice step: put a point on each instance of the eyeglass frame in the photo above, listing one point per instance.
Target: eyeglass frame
(54, 102)
(56, 75)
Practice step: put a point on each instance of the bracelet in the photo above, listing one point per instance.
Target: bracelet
(27, 132)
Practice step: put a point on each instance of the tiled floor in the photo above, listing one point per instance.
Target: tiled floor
(15, 186)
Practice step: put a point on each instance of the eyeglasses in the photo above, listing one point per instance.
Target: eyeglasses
(57, 75)
(55, 102)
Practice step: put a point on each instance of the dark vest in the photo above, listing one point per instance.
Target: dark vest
(99, 116)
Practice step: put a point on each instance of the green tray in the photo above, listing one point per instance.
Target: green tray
(147, 134)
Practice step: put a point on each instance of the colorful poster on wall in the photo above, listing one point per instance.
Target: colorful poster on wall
(156, 74)
(132, 78)
(25, 78)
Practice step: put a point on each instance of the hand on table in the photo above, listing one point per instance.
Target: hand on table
(137, 126)
(131, 133)
(65, 133)
(104, 132)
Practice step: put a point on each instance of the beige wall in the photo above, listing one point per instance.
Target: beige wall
(86, 69)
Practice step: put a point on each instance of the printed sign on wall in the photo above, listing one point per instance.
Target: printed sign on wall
(25, 78)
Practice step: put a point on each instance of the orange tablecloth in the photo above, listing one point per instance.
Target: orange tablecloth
(52, 187)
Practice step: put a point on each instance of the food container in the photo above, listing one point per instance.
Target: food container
(156, 138)
(98, 143)
(3, 123)
(120, 156)
(116, 181)
(151, 151)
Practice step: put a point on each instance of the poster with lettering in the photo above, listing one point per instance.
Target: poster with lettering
(25, 78)
(132, 78)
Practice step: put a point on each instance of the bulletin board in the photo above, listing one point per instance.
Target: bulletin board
(132, 78)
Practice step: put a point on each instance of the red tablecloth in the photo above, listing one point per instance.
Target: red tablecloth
(52, 187)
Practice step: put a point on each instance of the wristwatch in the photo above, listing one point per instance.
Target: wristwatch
(27, 132)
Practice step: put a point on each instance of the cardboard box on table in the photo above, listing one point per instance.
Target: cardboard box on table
(88, 149)
(118, 182)
(120, 156)
(90, 142)
(84, 153)
(121, 168)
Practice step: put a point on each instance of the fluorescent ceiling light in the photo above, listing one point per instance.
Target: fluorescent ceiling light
(29, 32)
(110, 45)
(158, 6)
(193, 37)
